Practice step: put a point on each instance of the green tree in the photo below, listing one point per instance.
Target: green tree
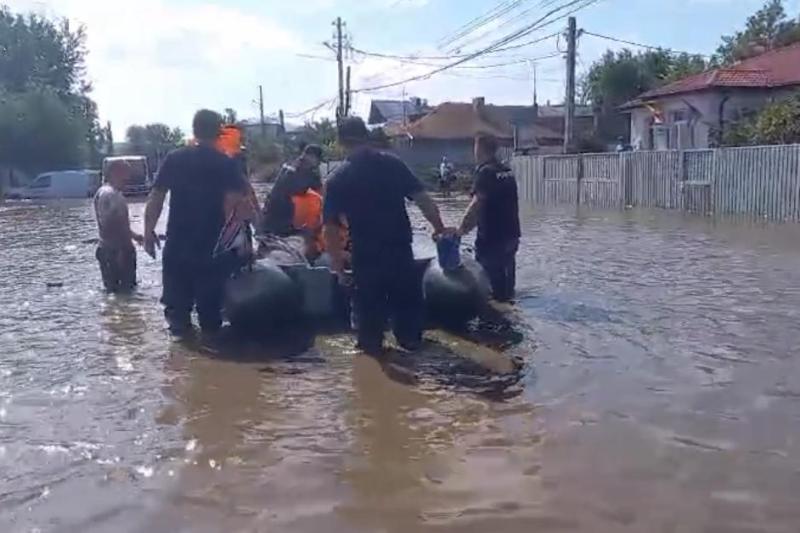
(153, 141)
(230, 116)
(41, 59)
(39, 132)
(767, 28)
(777, 123)
(621, 76)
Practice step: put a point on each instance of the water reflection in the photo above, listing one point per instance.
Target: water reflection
(653, 358)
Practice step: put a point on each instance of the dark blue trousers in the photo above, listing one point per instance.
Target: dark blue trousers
(189, 283)
(387, 287)
(499, 260)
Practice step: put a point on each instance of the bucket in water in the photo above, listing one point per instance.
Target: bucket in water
(448, 249)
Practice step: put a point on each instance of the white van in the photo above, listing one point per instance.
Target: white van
(63, 184)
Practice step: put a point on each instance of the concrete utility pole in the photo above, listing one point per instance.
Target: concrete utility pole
(348, 95)
(340, 111)
(569, 102)
(261, 110)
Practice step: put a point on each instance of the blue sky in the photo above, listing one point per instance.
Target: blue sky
(159, 60)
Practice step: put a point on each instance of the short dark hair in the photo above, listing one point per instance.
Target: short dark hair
(487, 143)
(206, 125)
(313, 150)
(352, 130)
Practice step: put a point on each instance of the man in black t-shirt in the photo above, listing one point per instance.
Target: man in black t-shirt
(294, 178)
(201, 181)
(495, 210)
(368, 192)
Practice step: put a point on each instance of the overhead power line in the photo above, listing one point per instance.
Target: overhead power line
(478, 67)
(480, 21)
(313, 109)
(573, 6)
(641, 45)
(413, 57)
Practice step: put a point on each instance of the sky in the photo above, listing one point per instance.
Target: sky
(160, 60)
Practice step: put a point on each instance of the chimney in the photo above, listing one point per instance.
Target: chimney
(478, 103)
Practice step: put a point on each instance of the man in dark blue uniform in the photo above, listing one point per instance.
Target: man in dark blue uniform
(202, 182)
(368, 192)
(495, 211)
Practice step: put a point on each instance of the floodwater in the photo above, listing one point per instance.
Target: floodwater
(660, 392)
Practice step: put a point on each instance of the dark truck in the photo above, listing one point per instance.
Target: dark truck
(140, 182)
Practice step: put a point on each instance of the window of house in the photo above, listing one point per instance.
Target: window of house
(42, 182)
(678, 116)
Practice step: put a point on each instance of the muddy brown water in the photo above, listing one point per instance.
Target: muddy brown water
(660, 393)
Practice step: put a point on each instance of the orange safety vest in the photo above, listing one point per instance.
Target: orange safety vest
(229, 141)
(308, 216)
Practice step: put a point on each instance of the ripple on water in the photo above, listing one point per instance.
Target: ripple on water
(640, 321)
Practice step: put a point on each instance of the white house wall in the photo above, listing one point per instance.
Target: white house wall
(739, 102)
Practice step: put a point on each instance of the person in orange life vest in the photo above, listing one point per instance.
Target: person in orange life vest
(307, 220)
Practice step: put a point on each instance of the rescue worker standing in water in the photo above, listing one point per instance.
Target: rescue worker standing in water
(293, 179)
(495, 211)
(368, 192)
(201, 182)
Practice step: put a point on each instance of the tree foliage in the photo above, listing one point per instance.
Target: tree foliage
(38, 131)
(777, 123)
(767, 28)
(621, 76)
(153, 140)
(46, 113)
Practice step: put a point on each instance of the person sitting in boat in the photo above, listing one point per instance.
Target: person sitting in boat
(294, 178)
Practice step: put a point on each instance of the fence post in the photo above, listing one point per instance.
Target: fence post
(579, 180)
(680, 200)
(624, 179)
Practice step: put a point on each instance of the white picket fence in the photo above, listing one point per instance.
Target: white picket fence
(762, 181)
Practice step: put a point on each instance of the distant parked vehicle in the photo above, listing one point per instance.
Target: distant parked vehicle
(140, 181)
(61, 184)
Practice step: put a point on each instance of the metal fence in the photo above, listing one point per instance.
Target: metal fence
(761, 181)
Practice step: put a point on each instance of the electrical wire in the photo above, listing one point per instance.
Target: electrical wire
(312, 109)
(479, 21)
(640, 45)
(542, 22)
(453, 56)
(479, 67)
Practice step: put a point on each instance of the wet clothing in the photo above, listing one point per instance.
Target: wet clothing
(369, 190)
(188, 285)
(198, 179)
(388, 287)
(115, 253)
(498, 226)
(117, 267)
(278, 212)
(500, 264)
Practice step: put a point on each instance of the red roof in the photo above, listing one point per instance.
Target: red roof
(452, 120)
(776, 68)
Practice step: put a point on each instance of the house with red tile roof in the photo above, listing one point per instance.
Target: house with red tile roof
(692, 112)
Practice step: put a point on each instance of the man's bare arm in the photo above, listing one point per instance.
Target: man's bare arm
(429, 210)
(152, 212)
(471, 216)
(334, 245)
(153, 209)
